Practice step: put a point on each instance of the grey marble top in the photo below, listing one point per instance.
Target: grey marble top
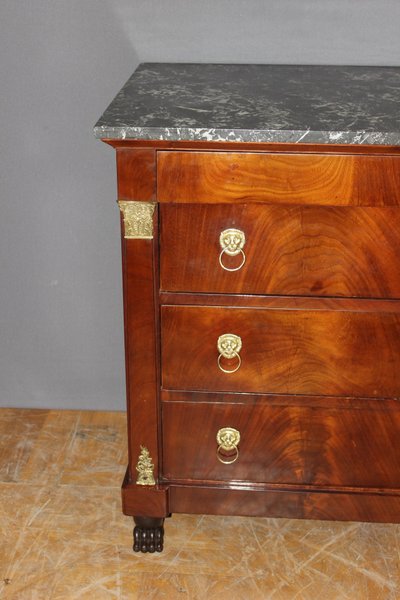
(258, 103)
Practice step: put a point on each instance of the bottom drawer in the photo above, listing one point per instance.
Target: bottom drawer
(355, 447)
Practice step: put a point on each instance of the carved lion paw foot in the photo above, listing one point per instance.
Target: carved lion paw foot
(148, 539)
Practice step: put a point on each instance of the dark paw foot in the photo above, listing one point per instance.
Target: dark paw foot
(148, 539)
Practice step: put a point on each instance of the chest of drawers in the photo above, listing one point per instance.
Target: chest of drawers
(261, 278)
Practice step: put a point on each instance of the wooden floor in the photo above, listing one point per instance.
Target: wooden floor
(62, 534)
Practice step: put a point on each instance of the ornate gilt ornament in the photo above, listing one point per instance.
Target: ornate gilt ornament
(138, 219)
(229, 345)
(228, 440)
(232, 242)
(145, 468)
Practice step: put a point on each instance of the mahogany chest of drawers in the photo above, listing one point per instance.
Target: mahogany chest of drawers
(260, 211)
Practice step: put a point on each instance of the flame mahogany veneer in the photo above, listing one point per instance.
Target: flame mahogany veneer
(316, 398)
(290, 250)
(311, 179)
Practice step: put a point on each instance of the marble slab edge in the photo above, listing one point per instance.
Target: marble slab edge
(174, 134)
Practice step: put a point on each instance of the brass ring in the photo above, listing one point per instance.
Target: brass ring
(223, 251)
(232, 370)
(229, 461)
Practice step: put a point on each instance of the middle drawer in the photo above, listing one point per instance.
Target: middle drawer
(335, 352)
(276, 249)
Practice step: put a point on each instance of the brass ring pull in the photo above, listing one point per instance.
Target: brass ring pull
(226, 461)
(229, 346)
(232, 242)
(234, 268)
(230, 370)
(228, 439)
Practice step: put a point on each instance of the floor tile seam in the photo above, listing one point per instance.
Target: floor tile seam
(50, 482)
(218, 578)
(47, 529)
(27, 483)
(370, 574)
(89, 486)
(103, 543)
(325, 551)
(51, 485)
(161, 572)
(338, 583)
(150, 568)
(272, 594)
(252, 529)
(99, 470)
(89, 588)
(18, 410)
(319, 549)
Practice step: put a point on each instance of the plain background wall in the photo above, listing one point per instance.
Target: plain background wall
(62, 61)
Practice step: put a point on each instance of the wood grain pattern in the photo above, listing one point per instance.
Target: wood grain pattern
(136, 170)
(290, 250)
(329, 452)
(233, 177)
(328, 352)
(138, 500)
(141, 357)
(288, 445)
(282, 503)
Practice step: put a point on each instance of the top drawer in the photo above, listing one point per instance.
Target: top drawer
(335, 180)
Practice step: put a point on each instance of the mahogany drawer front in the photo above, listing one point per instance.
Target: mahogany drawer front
(283, 444)
(316, 352)
(219, 177)
(289, 250)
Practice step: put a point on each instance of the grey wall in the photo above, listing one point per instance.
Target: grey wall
(62, 61)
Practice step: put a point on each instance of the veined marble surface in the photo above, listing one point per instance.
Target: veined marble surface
(256, 103)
